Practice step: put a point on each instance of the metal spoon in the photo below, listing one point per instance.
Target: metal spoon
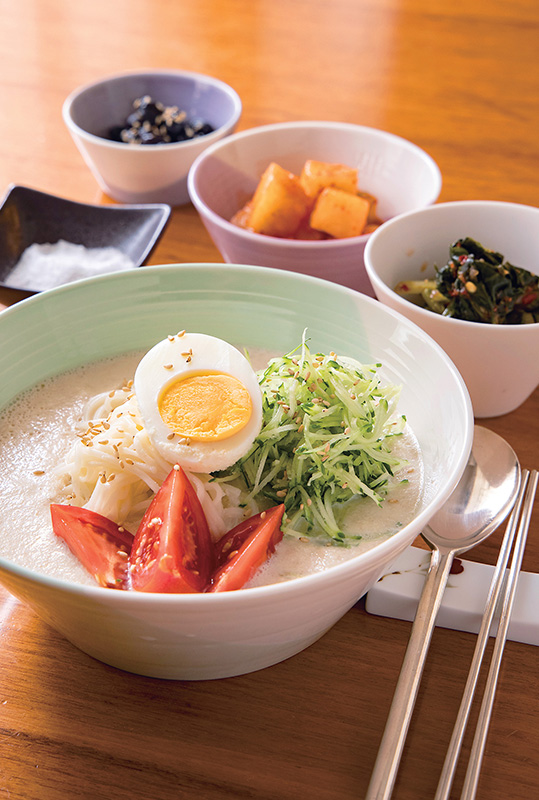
(482, 499)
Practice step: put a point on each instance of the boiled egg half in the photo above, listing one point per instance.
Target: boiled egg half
(200, 401)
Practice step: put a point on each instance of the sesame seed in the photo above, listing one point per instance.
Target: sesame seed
(168, 366)
(39, 472)
(281, 493)
(180, 334)
(171, 436)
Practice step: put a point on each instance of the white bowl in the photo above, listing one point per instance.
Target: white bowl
(401, 175)
(218, 635)
(154, 173)
(499, 363)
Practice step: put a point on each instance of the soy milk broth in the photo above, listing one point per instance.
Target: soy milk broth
(38, 429)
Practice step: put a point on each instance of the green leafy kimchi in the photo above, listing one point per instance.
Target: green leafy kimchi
(477, 285)
(326, 439)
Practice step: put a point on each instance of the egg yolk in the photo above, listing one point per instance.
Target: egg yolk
(206, 407)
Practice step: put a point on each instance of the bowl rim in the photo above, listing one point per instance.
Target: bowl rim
(251, 236)
(285, 587)
(424, 313)
(165, 208)
(209, 80)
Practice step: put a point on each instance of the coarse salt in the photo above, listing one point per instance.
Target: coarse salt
(44, 266)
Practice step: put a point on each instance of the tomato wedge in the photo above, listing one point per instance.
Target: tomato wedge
(173, 550)
(245, 548)
(101, 546)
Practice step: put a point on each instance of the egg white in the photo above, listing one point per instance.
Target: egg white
(178, 357)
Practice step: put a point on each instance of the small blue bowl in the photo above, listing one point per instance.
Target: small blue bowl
(147, 173)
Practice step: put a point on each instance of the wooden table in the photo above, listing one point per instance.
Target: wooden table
(461, 80)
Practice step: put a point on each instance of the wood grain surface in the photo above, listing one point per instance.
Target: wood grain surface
(461, 80)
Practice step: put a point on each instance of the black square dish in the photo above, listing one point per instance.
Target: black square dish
(28, 216)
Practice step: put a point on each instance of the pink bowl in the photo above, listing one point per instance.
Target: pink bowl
(401, 176)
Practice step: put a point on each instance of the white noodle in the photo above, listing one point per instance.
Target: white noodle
(114, 469)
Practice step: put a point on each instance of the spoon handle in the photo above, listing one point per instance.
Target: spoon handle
(402, 706)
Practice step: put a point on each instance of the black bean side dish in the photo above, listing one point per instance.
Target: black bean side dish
(152, 122)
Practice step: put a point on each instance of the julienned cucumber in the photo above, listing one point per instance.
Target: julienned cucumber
(328, 429)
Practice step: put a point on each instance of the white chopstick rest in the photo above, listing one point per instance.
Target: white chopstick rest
(397, 593)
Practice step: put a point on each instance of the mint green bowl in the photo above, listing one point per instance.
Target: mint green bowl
(217, 635)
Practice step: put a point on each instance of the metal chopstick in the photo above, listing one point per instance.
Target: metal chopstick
(478, 747)
(496, 585)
